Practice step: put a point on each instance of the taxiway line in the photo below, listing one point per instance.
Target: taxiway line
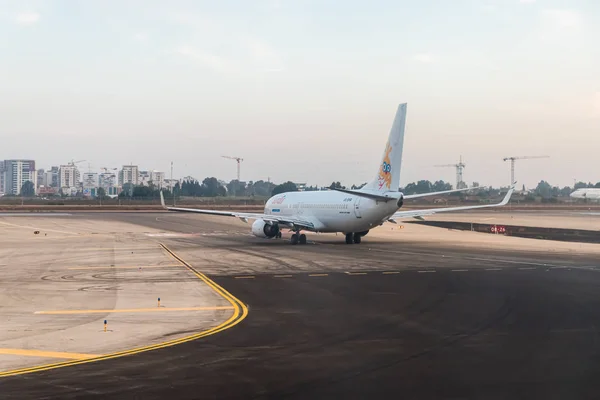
(126, 266)
(133, 310)
(47, 354)
(240, 312)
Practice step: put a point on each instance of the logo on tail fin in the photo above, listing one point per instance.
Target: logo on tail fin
(385, 173)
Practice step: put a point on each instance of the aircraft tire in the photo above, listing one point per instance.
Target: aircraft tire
(302, 239)
(294, 239)
(349, 238)
(357, 238)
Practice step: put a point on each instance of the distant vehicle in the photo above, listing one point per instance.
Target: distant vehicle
(352, 212)
(592, 194)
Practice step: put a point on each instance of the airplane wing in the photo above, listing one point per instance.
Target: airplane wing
(394, 195)
(420, 213)
(290, 221)
(415, 196)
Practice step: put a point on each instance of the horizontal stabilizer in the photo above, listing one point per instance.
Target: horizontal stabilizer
(377, 197)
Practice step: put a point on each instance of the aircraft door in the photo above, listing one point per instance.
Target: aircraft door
(357, 207)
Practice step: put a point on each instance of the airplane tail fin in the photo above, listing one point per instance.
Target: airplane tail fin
(388, 174)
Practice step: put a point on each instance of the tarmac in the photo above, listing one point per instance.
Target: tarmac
(412, 312)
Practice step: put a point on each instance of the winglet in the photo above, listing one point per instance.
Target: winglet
(508, 195)
(162, 200)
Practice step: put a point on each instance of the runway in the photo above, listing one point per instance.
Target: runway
(386, 319)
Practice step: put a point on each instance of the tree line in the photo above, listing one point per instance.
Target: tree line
(212, 187)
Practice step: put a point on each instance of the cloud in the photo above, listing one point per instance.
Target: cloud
(140, 37)
(208, 60)
(563, 18)
(527, 1)
(27, 18)
(264, 57)
(425, 58)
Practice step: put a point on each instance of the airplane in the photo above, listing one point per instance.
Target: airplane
(352, 212)
(592, 194)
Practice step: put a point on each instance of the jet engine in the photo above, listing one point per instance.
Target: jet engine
(262, 229)
(400, 201)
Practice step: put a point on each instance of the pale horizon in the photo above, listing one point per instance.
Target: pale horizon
(304, 90)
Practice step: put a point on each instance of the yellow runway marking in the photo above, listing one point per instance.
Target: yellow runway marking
(318, 274)
(240, 312)
(128, 266)
(133, 310)
(47, 354)
(390, 272)
(282, 276)
(115, 249)
(244, 277)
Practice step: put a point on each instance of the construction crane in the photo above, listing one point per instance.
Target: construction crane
(512, 164)
(73, 162)
(239, 160)
(459, 172)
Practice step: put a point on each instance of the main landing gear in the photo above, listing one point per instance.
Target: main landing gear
(298, 238)
(353, 238)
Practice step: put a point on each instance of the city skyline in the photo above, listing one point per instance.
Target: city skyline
(274, 81)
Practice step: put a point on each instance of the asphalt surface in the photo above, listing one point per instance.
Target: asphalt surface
(408, 322)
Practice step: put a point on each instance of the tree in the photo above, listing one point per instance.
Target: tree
(212, 188)
(356, 187)
(565, 191)
(440, 186)
(143, 191)
(419, 187)
(288, 186)
(127, 190)
(260, 188)
(581, 185)
(336, 185)
(597, 185)
(236, 188)
(101, 193)
(27, 190)
(543, 190)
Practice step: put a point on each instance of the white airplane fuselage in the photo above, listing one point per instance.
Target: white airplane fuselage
(331, 211)
(591, 194)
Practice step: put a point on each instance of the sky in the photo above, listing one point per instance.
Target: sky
(304, 90)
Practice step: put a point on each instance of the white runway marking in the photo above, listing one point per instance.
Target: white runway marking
(35, 214)
(509, 261)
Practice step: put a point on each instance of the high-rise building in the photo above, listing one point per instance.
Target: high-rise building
(41, 178)
(2, 177)
(108, 181)
(68, 177)
(90, 183)
(129, 174)
(16, 173)
(158, 179)
(170, 184)
(144, 178)
(52, 177)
